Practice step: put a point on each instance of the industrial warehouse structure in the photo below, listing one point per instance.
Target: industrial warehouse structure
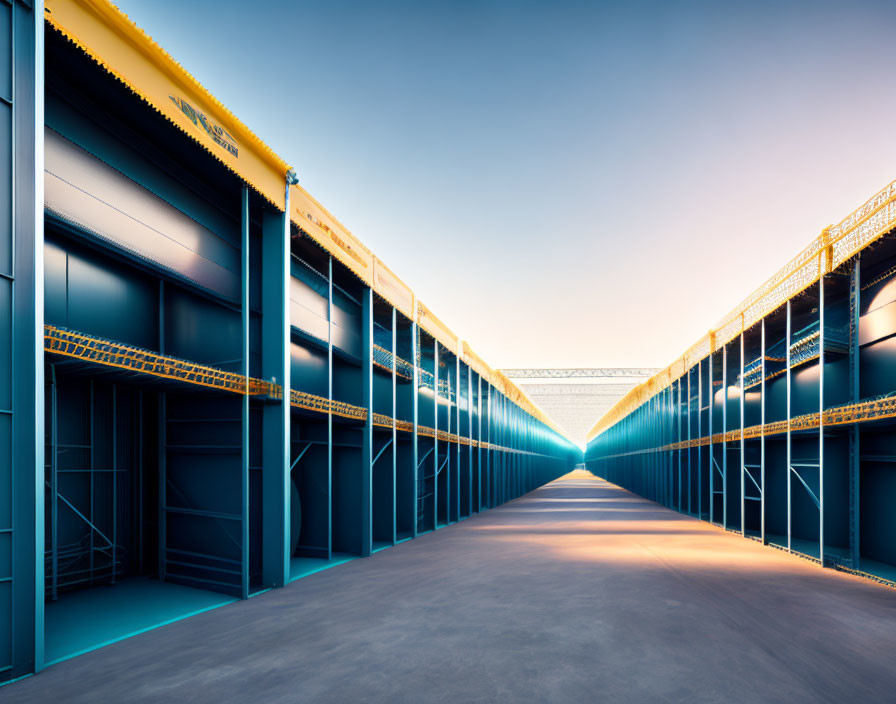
(573, 398)
(779, 423)
(205, 379)
(209, 388)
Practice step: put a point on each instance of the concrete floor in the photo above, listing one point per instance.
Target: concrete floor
(578, 592)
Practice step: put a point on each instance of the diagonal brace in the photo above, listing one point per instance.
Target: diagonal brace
(811, 493)
(301, 455)
(382, 450)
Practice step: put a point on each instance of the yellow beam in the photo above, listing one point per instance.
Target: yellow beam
(124, 50)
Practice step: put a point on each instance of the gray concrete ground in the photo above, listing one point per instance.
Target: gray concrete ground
(578, 592)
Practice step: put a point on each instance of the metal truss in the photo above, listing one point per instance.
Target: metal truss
(832, 248)
(113, 354)
(862, 412)
(107, 353)
(581, 373)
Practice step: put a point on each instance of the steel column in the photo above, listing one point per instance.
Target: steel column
(366, 483)
(724, 435)
(245, 318)
(700, 434)
(855, 293)
(276, 414)
(787, 407)
(743, 454)
(415, 406)
(435, 454)
(330, 402)
(710, 465)
(394, 426)
(821, 417)
(762, 504)
(21, 337)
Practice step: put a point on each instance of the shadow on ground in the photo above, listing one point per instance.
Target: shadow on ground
(579, 591)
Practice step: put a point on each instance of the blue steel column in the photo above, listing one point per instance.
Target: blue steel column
(163, 483)
(447, 470)
(855, 293)
(496, 454)
(435, 435)
(690, 449)
(162, 443)
(821, 416)
(479, 442)
(514, 454)
(21, 340)
(367, 440)
(276, 415)
(457, 425)
(678, 438)
(486, 482)
(700, 435)
(787, 411)
(330, 406)
(244, 304)
(668, 433)
(415, 343)
(492, 437)
(470, 438)
(508, 454)
(710, 468)
(502, 453)
(517, 431)
(724, 435)
(394, 426)
(511, 454)
(743, 453)
(502, 441)
(762, 504)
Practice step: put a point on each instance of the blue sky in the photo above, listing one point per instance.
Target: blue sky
(563, 183)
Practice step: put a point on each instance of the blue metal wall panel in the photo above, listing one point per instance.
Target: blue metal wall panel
(6, 375)
(124, 289)
(26, 376)
(98, 295)
(103, 135)
(201, 330)
(102, 201)
(309, 369)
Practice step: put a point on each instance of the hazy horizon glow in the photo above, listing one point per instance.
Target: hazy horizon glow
(565, 184)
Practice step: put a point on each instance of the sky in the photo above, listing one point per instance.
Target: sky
(565, 184)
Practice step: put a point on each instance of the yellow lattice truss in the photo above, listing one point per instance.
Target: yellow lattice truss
(123, 50)
(383, 358)
(864, 411)
(114, 354)
(834, 246)
(107, 353)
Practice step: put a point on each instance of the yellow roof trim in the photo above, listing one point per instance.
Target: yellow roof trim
(317, 222)
(834, 246)
(428, 320)
(393, 289)
(125, 51)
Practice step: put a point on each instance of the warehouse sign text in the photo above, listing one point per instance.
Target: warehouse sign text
(221, 136)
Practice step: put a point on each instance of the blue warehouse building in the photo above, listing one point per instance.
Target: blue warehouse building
(208, 386)
(778, 424)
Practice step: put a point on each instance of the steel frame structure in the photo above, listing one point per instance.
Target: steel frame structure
(250, 394)
(802, 393)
